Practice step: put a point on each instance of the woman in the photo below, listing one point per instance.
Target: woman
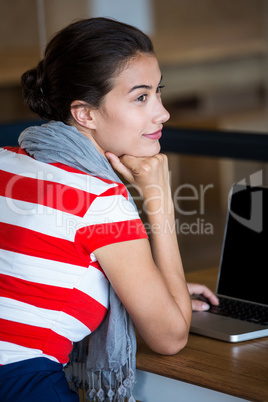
(70, 228)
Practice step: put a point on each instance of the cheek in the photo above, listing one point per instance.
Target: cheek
(121, 133)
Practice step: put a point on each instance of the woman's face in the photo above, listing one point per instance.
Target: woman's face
(131, 117)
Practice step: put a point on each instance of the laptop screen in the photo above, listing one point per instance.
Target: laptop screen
(244, 260)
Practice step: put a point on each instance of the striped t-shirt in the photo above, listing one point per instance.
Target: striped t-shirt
(52, 290)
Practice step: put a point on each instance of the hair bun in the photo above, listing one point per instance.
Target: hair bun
(32, 82)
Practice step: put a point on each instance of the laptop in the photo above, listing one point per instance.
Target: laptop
(242, 285)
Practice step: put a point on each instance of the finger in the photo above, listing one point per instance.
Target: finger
(198, 305)
(136, 165)
(119, 166)
(198, 289)
(210, 296)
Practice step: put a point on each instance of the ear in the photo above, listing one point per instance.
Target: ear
(82, 114)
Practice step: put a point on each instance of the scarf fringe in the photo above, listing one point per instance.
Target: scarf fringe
(99, 385)
(119, 389)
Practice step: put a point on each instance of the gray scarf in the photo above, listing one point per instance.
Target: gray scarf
(112, 346)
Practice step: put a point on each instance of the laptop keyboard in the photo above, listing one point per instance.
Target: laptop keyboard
(241, 311)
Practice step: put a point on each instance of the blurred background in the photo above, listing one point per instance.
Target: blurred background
(214, 57)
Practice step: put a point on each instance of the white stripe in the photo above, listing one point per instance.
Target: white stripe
(110, 209)
(89, 280)
(59, 322)
(12, 353)
(94, 284)
(63, 225)
(39, 218)
(40, 270)
(58, 224)
(26, 166)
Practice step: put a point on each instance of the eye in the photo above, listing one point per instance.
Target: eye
(142, 98)
(158, 90)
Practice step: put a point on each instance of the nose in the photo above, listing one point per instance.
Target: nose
(161, 114)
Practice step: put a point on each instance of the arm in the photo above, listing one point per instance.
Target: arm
(150, 280)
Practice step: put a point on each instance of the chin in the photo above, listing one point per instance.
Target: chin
(152, 151)
(144, 153)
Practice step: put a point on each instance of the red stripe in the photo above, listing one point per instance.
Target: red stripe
(96, 236)
(28, 242)
(71, 301)
(85, 309)
(39, 295)
(43, 192)
(120, 189)
(33, 337)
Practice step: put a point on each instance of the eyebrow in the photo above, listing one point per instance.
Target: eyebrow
(149, 87)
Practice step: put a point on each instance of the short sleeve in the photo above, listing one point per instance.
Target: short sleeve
(111, 218)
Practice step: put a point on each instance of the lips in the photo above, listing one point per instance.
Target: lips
(154, 136)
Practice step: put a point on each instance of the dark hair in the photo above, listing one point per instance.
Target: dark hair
(79, 63)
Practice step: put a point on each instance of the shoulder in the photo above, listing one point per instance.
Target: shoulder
(92, 182)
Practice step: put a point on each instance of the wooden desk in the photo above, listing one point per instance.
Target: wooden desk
(239, 369)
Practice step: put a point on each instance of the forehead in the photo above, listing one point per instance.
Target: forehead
(141, 70)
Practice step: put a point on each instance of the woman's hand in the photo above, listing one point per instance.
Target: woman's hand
(148, 175)
(196, 289)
